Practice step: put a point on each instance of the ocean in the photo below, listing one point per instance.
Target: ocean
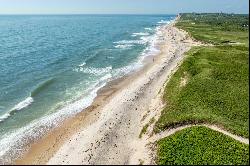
(51, 67)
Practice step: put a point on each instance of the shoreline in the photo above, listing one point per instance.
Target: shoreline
(97, 121)
(68, 126)
(12, 154)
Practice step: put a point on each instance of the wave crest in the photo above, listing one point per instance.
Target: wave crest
(27, 101)
(130, 42)
(41, 87)
(23, 104)
(148, 29)
(83, 64)
(124, 46)
(163, 22)
(93, 70)
(140, 34)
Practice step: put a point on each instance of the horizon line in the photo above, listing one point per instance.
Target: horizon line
(117, 13)
(88, 13)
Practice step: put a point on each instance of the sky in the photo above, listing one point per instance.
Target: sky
(121, 6)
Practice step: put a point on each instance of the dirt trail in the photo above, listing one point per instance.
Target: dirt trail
(169, 132)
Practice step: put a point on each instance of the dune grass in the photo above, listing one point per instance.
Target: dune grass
(216, 90)
(201, 146)
(217, 81)
(144, 129)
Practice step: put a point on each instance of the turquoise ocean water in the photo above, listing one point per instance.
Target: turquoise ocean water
(51, 66)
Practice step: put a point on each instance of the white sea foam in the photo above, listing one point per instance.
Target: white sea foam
(145, 38)
(125, 43)
(124, 46)
(12, 144)
(152, 41)
(93, 70)
(106, 77)
(127, 69)
(129, 42)
(140, 34)
(148, 29)
(139, 62)
(163, 22)
(4, 116)
(23, 104)
(81, 65)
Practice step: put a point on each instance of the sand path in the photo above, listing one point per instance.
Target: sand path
(169, 132)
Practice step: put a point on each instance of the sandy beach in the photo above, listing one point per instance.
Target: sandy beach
(108, 131)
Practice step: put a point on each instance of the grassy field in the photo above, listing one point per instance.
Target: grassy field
(212, 84)
(201, 146)
(216, 28)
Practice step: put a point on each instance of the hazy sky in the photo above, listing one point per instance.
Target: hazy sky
(122, 6)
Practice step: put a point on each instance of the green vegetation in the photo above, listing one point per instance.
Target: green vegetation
(216, 28)
(141, 162)
(201, 145)
(217, 81)
(216, 90)
(144, 129)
